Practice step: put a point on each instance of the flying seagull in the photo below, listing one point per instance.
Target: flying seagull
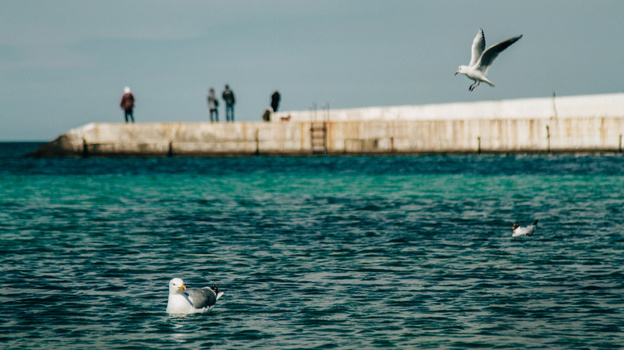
(480, 61)
(519, 231)
(183, 301)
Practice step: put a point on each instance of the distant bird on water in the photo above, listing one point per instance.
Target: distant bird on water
(519, 231)
(183, 301)
(480, 61)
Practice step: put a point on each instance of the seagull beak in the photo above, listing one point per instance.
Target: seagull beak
(182, 287)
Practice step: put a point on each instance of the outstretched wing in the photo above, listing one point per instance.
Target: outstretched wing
(478, 45)
(492, 52)
(201, 298)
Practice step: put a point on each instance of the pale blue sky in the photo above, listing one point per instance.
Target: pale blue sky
(64, 63)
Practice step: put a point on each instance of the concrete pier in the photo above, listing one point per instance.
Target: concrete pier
(593, 123)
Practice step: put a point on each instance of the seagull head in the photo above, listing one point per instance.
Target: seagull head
(461, 70)
(515, 226)
(176, 285)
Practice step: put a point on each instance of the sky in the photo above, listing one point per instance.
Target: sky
(64, 64)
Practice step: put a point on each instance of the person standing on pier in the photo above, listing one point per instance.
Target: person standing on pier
(213, 103)
(228, 97)
(275, 100)
(127, 104)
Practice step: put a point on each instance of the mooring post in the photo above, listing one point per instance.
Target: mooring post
(257, 142)
(479, 144)
(85, 147)
(548, 137)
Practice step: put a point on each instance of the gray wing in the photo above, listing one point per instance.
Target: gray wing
(478, 45)
(532, 228)
(491, 53)
(201, 298)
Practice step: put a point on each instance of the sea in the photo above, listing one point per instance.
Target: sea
(351, 252)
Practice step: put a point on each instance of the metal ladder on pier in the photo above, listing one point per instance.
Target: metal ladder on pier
(318, 131)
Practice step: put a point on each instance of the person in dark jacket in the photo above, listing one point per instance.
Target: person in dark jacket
(127, 104)
(275, 100)
(228, 97)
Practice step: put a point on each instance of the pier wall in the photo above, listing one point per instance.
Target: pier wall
(598, 129)
(365, 137)
(584, 106)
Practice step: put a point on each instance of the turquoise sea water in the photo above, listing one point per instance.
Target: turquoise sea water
(314, 253)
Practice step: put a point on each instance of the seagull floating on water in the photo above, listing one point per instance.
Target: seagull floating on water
(183, 301)
(523, 231)
(480, 61)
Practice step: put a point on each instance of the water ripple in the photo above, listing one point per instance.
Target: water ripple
(315, 253)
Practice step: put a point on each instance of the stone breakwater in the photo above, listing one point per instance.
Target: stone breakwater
(576, 127)
(341, 138)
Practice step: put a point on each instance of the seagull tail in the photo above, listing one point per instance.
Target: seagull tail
(215, 288)
(535, 223)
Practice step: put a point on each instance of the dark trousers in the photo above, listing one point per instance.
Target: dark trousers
(229, 113)
(129, 115)
(216, 115)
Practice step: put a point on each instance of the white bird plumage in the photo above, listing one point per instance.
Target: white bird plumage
(480, 60)
(183, 301)
(519, 231)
